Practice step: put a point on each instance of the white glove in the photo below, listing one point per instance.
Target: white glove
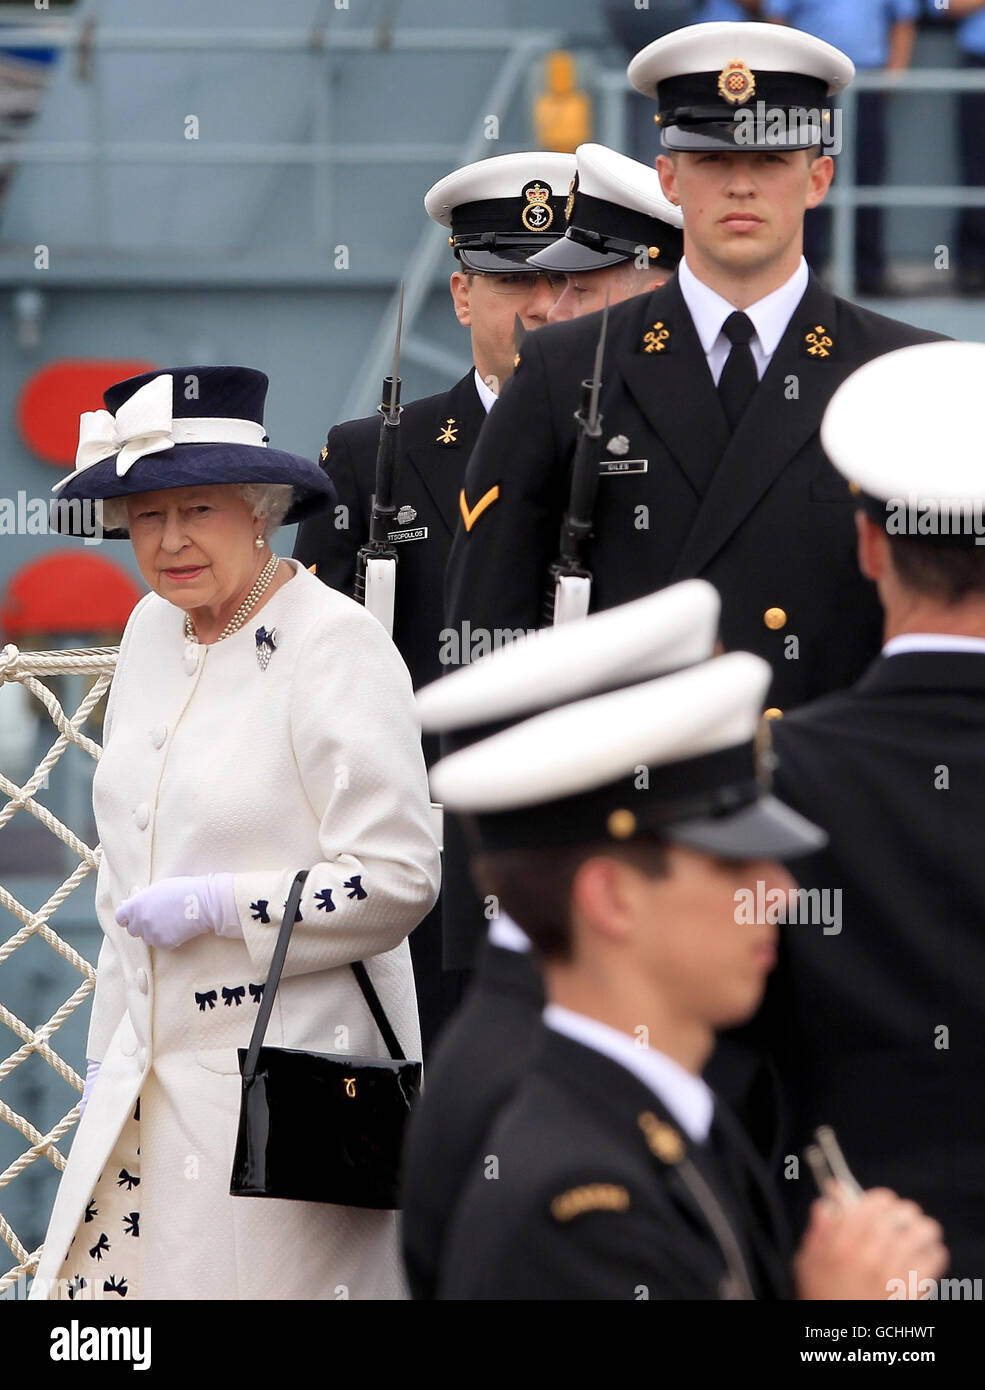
(92, 1071)
(173, 910)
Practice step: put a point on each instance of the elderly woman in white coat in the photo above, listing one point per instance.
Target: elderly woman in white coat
(258, 723)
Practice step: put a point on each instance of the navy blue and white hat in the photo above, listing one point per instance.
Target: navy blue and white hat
(741, 85)
(502, 210)
(182, 427)
(615, 210)
(647, 737)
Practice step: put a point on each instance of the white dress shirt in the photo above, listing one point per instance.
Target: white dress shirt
(932, 642)
(487, 395)
(687, 1097)
(769, 316)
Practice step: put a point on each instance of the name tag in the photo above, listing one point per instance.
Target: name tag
(419, 533)
(608, 467)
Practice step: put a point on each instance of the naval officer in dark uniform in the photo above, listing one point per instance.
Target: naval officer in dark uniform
(498, 212)
(876, 1018)
(489, 1045)
(617, 831)
(622, 236)
(713, 389)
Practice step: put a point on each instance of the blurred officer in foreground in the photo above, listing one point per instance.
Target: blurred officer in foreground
(498, 212)
(618, 831)
(488, 1047)
(877, 1015)
(622, 237)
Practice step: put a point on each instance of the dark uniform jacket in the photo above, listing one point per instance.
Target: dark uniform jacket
(436, 436)
(595, 1197)
(483, 1055)
(879, 1028)
(762, 515)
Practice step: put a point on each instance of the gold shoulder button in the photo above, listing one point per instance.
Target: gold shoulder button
(775, 618)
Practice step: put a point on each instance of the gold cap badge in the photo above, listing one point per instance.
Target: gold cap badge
(736, 83)
(569, 205)
(538, 214)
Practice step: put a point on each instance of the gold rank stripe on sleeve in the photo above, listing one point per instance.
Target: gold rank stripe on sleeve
(596, 1196)
(471, 516)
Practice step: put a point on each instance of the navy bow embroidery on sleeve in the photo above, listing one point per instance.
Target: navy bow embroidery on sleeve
(209, 998)
(323, 899)
(100, 1247)
(236, 993)
(91, 1211)
(256, 993)
(127, 1180)
(110, 1285)
(355, 883)
(259, 911)
(76, 1286)
(131, 1224)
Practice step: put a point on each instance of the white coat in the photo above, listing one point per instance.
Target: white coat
(213, 765)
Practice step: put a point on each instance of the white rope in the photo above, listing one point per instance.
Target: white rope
(29, 670)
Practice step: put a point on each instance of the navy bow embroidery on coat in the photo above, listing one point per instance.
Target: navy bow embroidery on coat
(356, 884)
(131, 1224)
(110, 1285)
(127, 1180)
(236, 993)
(100, 1247)
(209, 998)
(297, 911)
(259, 911)
(323, 900)
(91, 1212)
(256, 993)
(76, 1286)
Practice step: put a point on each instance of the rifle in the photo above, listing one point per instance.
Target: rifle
(569, 581)
(376, 562)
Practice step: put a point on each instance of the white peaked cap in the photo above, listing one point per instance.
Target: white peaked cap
(502, 176)
(910, 424)
(762, 47)
(714, 705)
(664, 631)
(615, 178)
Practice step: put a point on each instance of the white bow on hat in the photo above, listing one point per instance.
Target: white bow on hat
(144, 424)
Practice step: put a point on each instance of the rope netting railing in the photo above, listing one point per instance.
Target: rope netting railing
(30, 669)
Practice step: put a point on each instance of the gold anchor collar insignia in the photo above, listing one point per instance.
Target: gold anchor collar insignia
(448, 434)
(818, 341)
(594, 1196)
(657, 338)
(537, 214)
(736, 82)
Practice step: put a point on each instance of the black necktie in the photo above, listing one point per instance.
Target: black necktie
(738, 379)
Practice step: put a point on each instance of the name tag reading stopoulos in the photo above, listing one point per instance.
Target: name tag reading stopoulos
(609, 468)
(417, 533)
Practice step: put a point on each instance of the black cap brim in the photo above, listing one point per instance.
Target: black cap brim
(764, 829)
(725, 135)
(568, 257)
(489, 262)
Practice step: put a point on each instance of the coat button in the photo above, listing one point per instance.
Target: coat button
(772, 713)
(775, 618)
(142, 816)
(191, 657)
(142, 981)
(158, 735)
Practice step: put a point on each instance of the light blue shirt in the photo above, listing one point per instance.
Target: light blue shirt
(971, 34)
(859, 28)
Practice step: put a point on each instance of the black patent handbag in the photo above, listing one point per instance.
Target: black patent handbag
(321, 1127)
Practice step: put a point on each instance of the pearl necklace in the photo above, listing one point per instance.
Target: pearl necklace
(243, 611)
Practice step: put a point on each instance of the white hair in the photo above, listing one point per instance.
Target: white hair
(269, 501)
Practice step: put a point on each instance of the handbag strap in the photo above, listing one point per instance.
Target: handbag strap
(273, 980)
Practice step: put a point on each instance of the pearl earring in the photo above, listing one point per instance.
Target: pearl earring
(259, 542)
